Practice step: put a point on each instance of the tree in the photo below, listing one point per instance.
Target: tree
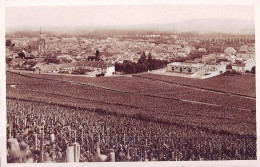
(8, 42)
(97, 54)
(129, 68)
(253, 70)
(149, 56)
(229, 67)
(142, 58)
(21, 55)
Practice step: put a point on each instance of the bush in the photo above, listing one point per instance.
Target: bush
(142, 66)
(100, 75)
(233, 72)
(253, 70)
(8, 42)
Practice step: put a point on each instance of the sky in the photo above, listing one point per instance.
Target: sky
(123, 15)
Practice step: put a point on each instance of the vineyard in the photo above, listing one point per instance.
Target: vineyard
(144, 117)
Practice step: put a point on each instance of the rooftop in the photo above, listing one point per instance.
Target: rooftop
(186, 64)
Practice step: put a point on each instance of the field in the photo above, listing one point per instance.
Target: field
(214, 112)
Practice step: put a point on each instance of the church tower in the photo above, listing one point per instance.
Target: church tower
(41, 43)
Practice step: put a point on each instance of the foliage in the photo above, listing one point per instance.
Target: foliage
(8, 43)
(143, 65)
(232, 72)
(97, 55)
(253, 70)
(100, 75)
(21, 55)
(229, 67)
(194, 55)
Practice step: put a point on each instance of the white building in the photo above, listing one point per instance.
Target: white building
(230, 54)
(110, 71)
(196, 70)
(244, 66)
(187, 69)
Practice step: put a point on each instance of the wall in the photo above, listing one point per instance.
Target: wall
(250, 64)
(110, 71)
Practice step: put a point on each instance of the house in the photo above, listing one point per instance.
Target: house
(196, 70)
(188, 50)
(216, 69)
(244, 66)
(16, 63)
(98, 67)
(208, 58)
(43, 67)
(202, 50)
(182, 52)
(29, 64)
(249, 64)
(110, 71)
(67, 67)
(245, 56)
(238, 67)
(243, 49)
(251, 48)
(229, 51)
(230, 54)
(246, 52)
(52, 60)
(135, 58)
(191, 48)
(172, 48)
(193, 70)
(66, 58)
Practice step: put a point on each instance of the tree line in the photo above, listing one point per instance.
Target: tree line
(144, 64)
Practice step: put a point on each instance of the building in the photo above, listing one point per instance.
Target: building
(245, 56)
(244, 66)
(44, 68)
(172, 48)
(229, 51)
(98, 67)
(42, 47)
(202, 50)
(246, 52)
(208, 58)
(230, 54)
(196, 70)
(215, 69)
(110, 71)
(66, 58)
(16, 63)
(187, 69)
(183, 52)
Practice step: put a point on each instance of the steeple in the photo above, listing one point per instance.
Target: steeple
(41, 42)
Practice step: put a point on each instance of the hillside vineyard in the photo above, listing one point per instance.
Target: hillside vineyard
(145, 127)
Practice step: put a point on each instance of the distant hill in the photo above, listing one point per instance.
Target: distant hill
(202, 26)
(234, 26)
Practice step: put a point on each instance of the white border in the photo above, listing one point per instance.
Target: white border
(120, 2)
(244, 163)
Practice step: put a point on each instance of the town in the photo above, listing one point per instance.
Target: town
(130, 83)
(103, 53)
